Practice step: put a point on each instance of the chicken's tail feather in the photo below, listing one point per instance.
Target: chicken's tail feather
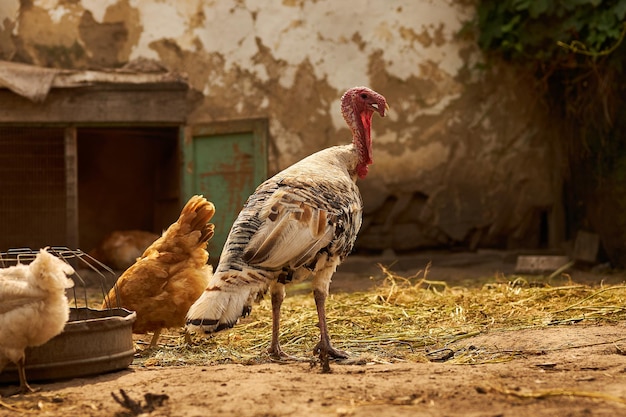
(204, 211)
(197, 213)
(190, 230)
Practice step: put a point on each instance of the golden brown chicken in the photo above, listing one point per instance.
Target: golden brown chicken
(121, 248)
(170, 275)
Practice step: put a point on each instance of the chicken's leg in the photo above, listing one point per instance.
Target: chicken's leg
(155, 337)
(187, 337)
(24, 387)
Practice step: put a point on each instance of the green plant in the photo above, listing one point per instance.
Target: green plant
(545, 30)
(574, 47)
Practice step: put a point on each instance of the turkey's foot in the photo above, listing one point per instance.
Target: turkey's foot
(330, 351)
(277, 354)
(325, 362)
(327, 351)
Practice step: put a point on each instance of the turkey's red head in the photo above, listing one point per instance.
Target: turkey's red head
(358, 105)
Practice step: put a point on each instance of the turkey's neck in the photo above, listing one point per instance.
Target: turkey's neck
(359, 119)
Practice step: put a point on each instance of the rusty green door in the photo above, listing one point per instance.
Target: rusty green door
(224, 162)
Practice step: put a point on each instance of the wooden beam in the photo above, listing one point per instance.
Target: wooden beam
(167, 103)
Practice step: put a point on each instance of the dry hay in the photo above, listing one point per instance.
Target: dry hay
(404, 319)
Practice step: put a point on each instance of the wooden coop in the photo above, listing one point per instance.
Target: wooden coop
(97, 152)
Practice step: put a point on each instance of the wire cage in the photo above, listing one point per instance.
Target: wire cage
(94, 340)
(86, 270)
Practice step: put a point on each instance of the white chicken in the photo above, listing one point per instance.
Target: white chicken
(303, 220)
(33, 307)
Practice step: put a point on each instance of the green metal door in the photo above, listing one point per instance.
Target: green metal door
(224, 162)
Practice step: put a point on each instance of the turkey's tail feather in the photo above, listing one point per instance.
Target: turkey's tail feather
(216, 310)
(222, 304)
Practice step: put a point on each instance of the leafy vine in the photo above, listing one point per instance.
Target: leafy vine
(576, 51)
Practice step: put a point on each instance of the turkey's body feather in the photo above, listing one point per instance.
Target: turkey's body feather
(301, 220)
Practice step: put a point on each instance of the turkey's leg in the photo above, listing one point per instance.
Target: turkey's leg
(324, 344)
(321, 284)
(277, 292)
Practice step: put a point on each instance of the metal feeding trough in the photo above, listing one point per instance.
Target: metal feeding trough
(92, 342)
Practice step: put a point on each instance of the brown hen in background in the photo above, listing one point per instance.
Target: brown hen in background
(121, 248)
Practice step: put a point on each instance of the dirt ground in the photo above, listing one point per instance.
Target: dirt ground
(572, 370)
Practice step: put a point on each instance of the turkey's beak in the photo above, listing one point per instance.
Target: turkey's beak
(383, 111)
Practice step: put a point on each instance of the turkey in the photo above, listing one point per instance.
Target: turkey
(304, 220)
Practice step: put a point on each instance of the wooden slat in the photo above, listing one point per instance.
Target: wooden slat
(71, 188)
(536, 264)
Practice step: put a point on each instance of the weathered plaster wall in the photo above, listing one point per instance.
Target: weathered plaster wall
(460, 160)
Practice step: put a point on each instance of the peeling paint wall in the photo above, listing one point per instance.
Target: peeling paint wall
(461, 159)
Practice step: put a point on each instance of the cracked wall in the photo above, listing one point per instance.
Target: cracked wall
(462, 159)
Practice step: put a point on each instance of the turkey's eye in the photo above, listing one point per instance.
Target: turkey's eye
(363, 96)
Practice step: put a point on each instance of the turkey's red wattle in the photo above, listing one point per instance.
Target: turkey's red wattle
(363, 142)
